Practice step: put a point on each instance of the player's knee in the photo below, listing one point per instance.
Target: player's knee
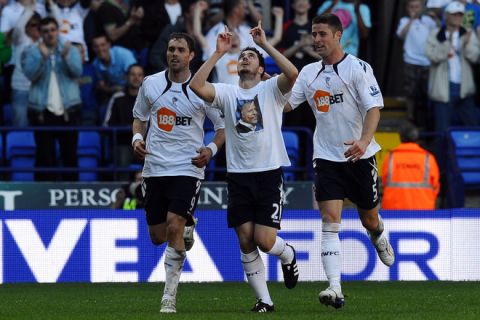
(157, 239)
(264, 242)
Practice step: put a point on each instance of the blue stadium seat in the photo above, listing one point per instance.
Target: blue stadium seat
(209, 174)
(89, 154)
(292, 145)
(463, 164)
(20, 153)
(271, 66)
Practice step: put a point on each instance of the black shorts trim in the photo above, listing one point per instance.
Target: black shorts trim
(176, 194)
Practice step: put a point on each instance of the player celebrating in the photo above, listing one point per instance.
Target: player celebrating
(254, 157)
(174, 155)
(345, 98)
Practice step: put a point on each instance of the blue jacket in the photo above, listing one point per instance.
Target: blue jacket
(115, 73)
(38, 70)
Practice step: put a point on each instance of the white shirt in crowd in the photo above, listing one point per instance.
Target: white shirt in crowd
(416, 39)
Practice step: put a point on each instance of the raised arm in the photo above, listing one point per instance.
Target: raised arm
(199, 83)
(289, 71)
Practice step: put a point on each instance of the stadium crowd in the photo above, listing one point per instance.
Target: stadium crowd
(100, 50)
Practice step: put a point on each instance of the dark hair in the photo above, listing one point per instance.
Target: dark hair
(229, 6)
(47, 21)
(35, 17)
(133, 66)
(182, 35)
(332, 20)
(408, 132)
(261, 60)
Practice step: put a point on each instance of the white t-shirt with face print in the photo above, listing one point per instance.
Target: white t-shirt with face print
(253, 126)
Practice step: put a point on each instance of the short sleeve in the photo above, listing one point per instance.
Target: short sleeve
(141, 109)
(298, 94)
(367, 88)
(216, 117)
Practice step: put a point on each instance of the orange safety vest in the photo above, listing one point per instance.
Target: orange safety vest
(411, 178)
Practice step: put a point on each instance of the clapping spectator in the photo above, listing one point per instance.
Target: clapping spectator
(54, 97)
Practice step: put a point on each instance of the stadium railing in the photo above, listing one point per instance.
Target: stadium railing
(99, 158)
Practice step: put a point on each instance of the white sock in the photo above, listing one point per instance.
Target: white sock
(377, 234)
(255, 270)
(282, 251)
(173, 269)
(331, 253)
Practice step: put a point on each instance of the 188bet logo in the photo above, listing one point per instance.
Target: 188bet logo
(166, 119)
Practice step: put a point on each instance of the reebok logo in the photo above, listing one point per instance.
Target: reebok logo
(166, 119)
(323, 100)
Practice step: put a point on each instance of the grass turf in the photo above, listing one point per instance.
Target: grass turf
(364, 300)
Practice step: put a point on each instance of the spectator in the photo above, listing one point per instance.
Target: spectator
(414, 30)
(54, 97)
(10, 15)
(120, 114)
(214, 13)
(25, 33)
(452, 50)
(130, 196)
(234, 11)
(119, 23)
(110, 65)
(297, 46)
(159, 15)
(158, 52)
(70, 15)
(435, 8)
(356, 22)
(411, 178)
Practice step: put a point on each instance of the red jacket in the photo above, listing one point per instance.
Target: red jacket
(411, 178)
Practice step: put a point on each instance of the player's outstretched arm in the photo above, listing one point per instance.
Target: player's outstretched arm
(289, 71)
(199, 83)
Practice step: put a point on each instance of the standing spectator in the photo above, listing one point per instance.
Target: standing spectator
(175, 157)
(54, 98)
(255, 154)
(411, 178)
(344, 96)
(119, 114)
(70, 15)
(110, 65)
(452, 51)
(25, 33)
(414, 30)
(297, 46)
(10, 16)
(184, 23)
(120, 23)
(435, 8)
(5, 54)
(234, 11)
(356, 22)
(160, 14)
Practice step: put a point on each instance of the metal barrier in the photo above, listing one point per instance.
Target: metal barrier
(109, 137)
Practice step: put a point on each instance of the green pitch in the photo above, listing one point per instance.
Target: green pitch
(364, 300)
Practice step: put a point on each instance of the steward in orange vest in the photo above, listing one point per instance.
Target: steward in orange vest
(410, 175)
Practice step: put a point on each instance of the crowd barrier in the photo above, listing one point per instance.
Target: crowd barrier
(113, 246)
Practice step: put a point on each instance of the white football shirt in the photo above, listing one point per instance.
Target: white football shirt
(175, 133)
(340, 96)
(253, 145)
